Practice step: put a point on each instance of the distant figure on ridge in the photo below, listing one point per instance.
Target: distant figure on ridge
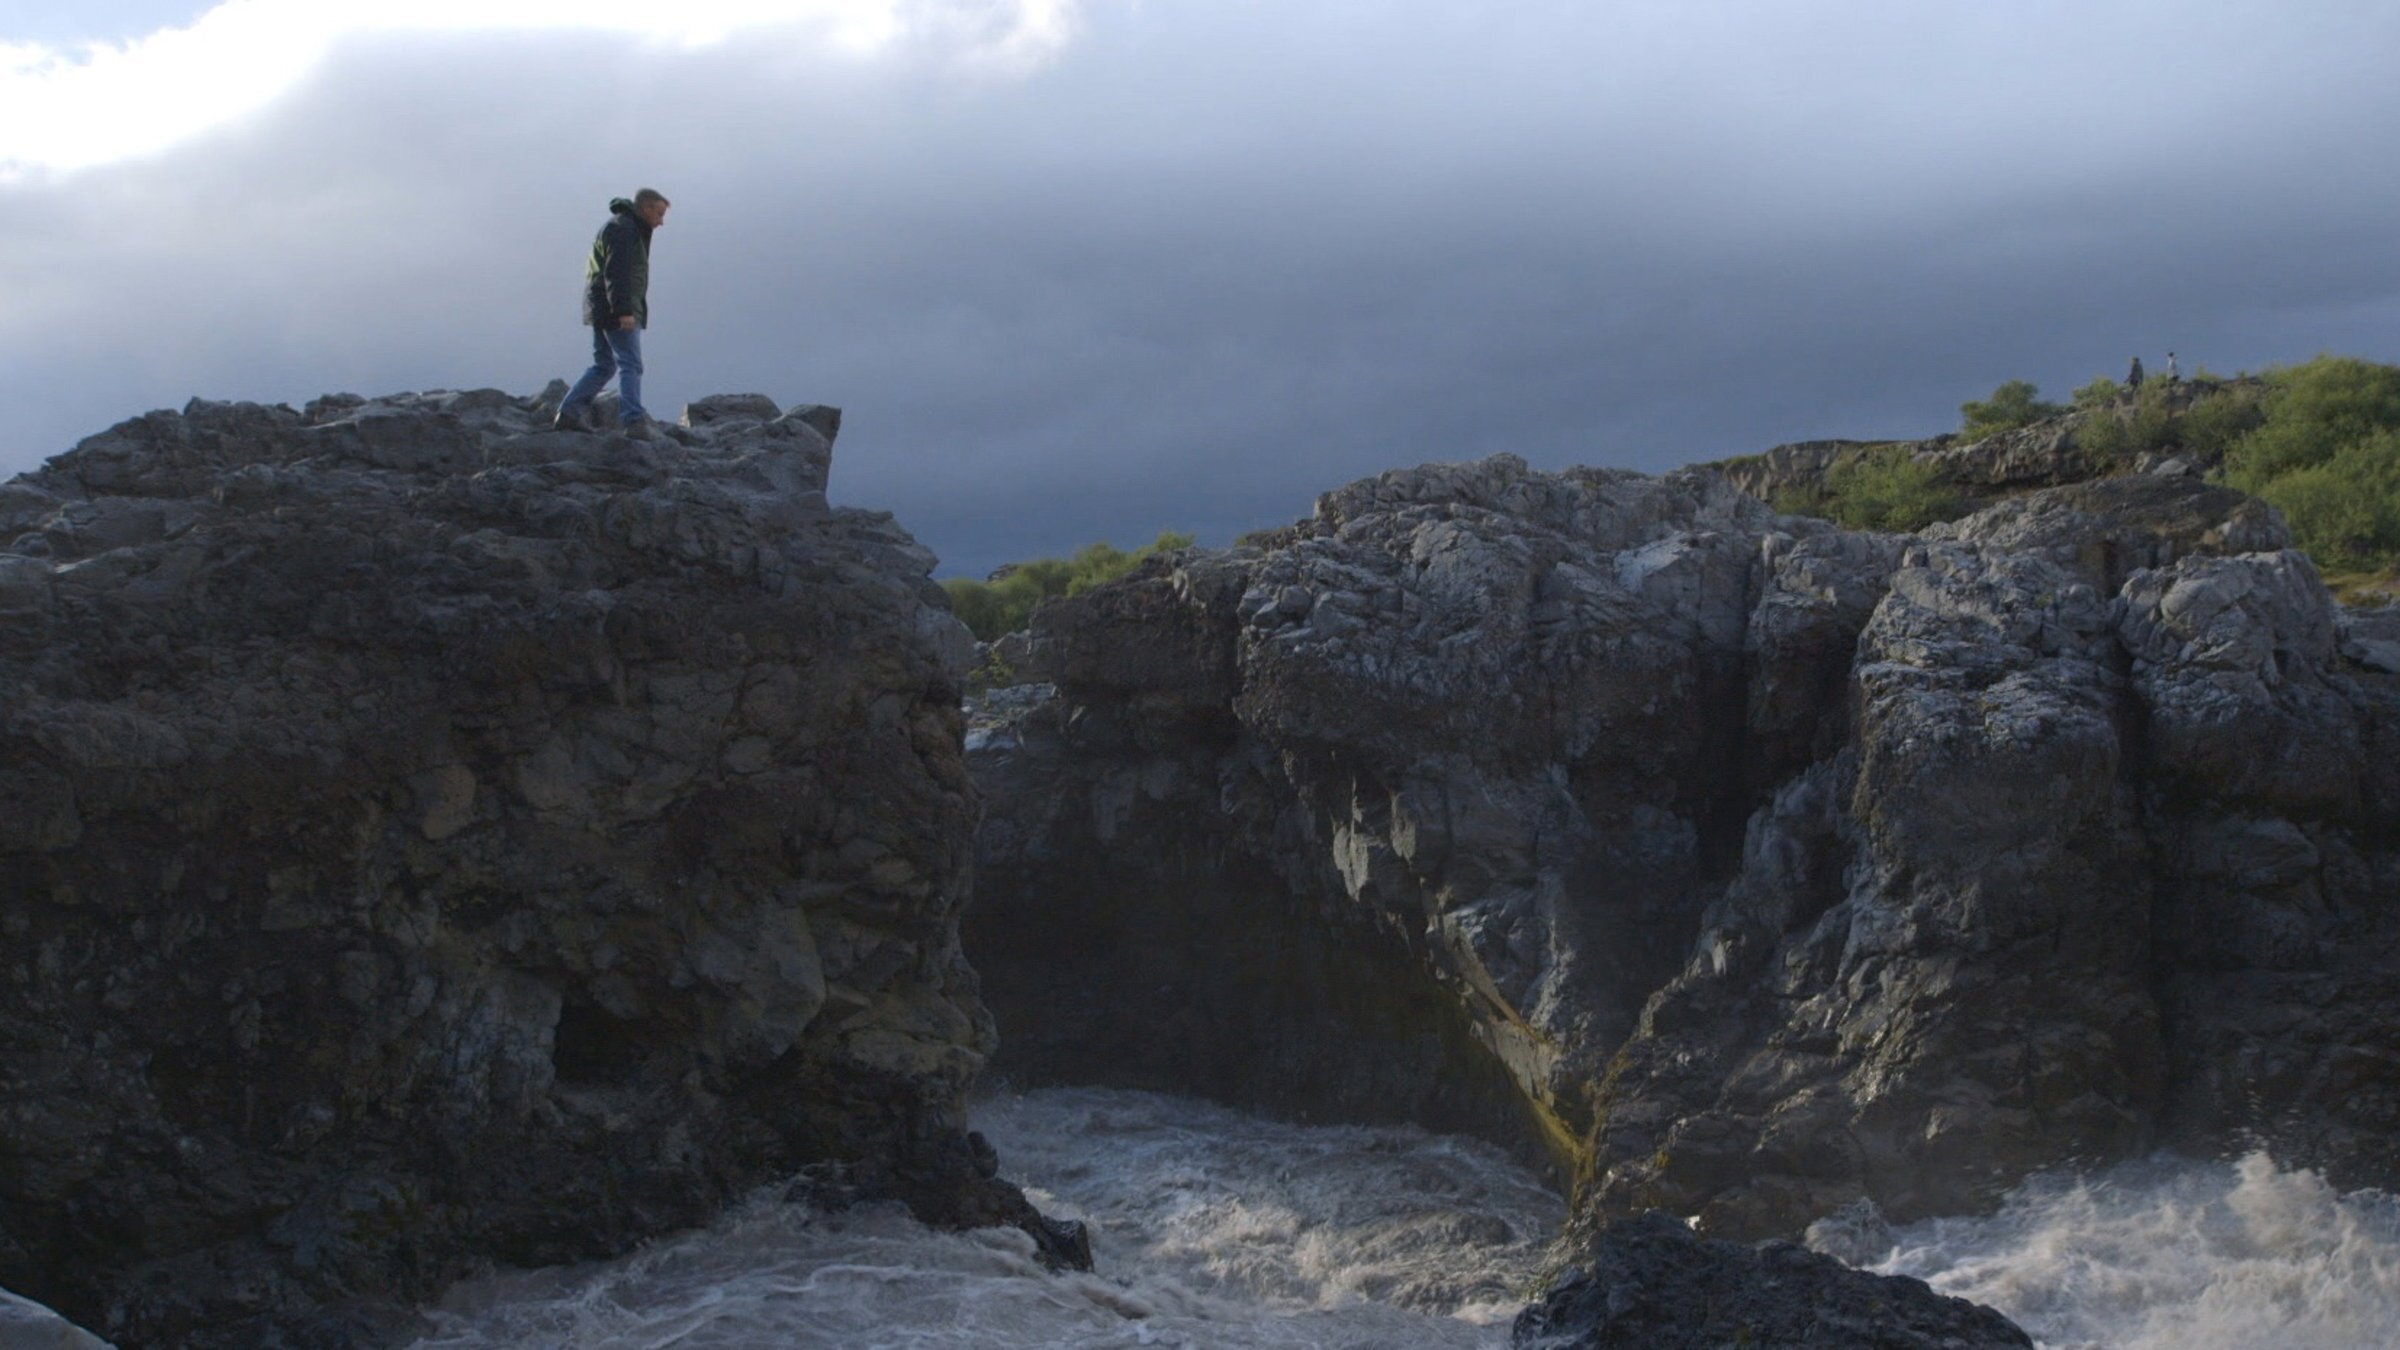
(2174, 376)
(616, 306)
(2133, 377)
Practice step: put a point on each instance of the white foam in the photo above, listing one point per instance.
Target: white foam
(2177, 1255)
(1211, 1229)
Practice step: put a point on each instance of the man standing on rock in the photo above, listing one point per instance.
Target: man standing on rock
(616, 305)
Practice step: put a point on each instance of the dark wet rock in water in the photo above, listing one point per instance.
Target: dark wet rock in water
(1755, 866)
(428, 840)
(1650, 1283)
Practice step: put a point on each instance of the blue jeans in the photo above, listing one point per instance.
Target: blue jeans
(618, 352)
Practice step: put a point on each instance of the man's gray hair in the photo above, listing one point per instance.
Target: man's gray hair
(648, 195)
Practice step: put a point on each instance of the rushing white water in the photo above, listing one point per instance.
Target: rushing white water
(2177, 1255)
(1210, 1229)
(1216, 1230)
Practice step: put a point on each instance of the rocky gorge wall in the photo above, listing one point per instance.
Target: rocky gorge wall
(429, 840)
(1767, 867)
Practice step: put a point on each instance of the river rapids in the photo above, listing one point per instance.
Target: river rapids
(1217, 1230)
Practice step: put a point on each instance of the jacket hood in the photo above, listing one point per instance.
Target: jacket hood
(618, 206)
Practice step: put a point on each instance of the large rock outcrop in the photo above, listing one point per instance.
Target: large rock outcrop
(428, 839)
(1774, 867)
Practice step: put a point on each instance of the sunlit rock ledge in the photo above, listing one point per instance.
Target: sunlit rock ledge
(429, 840)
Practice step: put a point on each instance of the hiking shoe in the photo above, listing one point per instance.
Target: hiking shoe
(641, 429)
(571, 419)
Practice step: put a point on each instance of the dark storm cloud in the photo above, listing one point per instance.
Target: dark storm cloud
(1220, 258)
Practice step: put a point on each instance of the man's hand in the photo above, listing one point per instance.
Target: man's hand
(625, 321)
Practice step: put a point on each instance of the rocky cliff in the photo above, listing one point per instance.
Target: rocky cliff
(430, 840)
(1764, 867)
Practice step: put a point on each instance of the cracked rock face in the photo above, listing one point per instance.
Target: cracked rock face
(1766, 867)
(427, 839)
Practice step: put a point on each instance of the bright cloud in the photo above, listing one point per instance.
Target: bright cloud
(70, 109)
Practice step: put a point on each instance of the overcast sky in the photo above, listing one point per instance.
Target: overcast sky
(1084, 269)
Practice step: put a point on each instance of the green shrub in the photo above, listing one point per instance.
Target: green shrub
(2016, 403)
(2106, 435)
(2101, 392)
(2119, 433)
(1808, 499)
(2214, 422)
(988, 608)
(2312, 411)
(2346, 510)
(1887, 489)
(2123, 429)
(2323, 447)
(992, 609)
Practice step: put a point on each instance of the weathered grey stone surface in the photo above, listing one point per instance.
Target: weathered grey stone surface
(2046, 454)
(1772, 867)
(429, 839)
(2108, 528)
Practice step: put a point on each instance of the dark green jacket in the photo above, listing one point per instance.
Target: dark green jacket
(616, 282)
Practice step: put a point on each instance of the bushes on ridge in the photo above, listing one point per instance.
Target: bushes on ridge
(2016, 403)
(2100, 392)
(2202, 419)
(2346, 510)
(2314, 412)
(2319, 441)
(1002, 605)
(2326, 453)
(2211, 425)
(1884, 488)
